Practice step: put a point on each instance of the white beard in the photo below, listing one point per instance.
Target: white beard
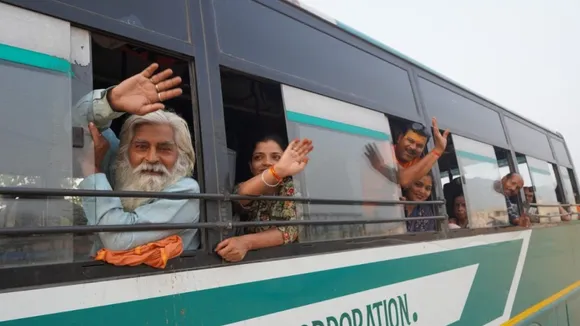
(133, 179)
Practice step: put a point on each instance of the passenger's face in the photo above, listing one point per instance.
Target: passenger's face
(459, 208)
(511, 186)
(265, 155)
(529, 194)
(410, 146)
(420, 190)
(153, 144)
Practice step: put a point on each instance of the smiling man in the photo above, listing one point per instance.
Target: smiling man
(154, 153)
(408, 149)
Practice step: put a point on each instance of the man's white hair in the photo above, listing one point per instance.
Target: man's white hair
(129, 178)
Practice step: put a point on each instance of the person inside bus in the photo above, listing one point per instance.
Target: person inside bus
(530, 198)
(154, 153)
(420, 190)
(509, 186)
(458, 218)
(407, 151)
(273, 168)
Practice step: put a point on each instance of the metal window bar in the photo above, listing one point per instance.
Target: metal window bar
(552, 205)
(51, 192)
(557, 215)
(202, 225)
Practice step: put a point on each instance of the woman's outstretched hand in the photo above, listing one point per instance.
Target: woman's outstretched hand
(294, 158)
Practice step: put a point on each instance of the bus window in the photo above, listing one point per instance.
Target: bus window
(545, 184)
(480, 170)
(36, 130)
(338, 167)
(52, 138)
(568, 189)
(253, 111)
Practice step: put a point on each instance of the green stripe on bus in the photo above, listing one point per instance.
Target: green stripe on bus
(335, 125)
(476, 157)
(539, 171)
(34, 59)
(229, 304)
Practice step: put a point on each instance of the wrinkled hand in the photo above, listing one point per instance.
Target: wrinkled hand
(440, 140)
(144, 92)
(294, 158)
(91, 163)
(233, 249)
(374, 156)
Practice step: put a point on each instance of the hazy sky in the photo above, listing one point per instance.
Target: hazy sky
(522, 54)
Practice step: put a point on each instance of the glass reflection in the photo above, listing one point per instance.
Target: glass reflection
(545, 184)
(568, 191)
(478, 164)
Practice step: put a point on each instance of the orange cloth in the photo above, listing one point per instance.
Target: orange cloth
(155, 254)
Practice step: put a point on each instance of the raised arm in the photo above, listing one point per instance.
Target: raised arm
(420, 169)
(293, 161)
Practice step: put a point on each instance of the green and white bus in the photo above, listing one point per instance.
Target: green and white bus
(249, 65)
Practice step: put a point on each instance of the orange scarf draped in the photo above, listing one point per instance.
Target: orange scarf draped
(155, 254)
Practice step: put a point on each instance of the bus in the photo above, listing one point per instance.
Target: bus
(249, 65)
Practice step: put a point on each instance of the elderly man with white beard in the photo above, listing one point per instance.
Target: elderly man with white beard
(154, 153)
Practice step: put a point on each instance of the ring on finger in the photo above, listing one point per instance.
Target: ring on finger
(157, 88)
(159, 97)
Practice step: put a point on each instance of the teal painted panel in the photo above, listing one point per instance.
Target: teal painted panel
(552, 264)
(476, 157)
(335, 125)
(34, 59)
(229, 304)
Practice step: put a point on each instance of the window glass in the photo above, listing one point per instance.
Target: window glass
(568, 190)
(36, 132)
(461, 113)
(480, 170)
(560, 151)
(146, 14)
(297, 49)
(528, 140)
(545, 185)
(338, 168)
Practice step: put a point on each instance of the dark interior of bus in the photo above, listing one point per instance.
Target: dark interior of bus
(115, 61)
(253, 108)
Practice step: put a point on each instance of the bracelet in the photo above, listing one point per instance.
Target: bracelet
(267, 184)
(274, 174)
(436, 153)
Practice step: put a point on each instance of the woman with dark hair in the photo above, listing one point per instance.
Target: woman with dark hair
(420, 190)
(272, 168)
(458, 218)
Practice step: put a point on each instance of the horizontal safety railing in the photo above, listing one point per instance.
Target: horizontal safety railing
(552, 205)
(82, 229)
(201, 225)
(48, 192)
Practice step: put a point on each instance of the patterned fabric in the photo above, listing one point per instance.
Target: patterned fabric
(421, 225)
(262, 210)
(512, 210)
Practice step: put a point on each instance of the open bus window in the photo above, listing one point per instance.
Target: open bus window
(53, 147)
(479, 168)
(339, 167)
(545, 189)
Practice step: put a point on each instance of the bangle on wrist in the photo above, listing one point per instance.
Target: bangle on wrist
(266, 183)
(436, 153)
